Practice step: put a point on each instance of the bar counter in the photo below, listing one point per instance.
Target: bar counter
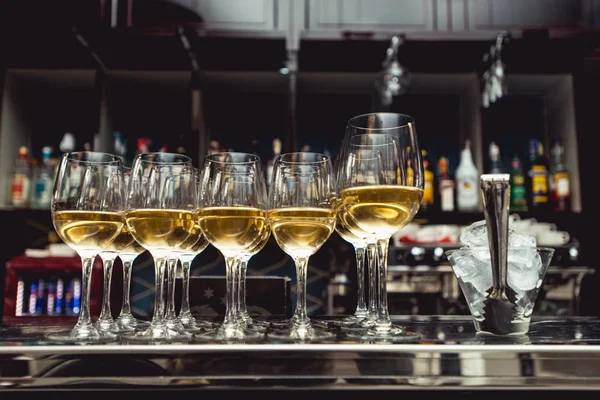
(558, 354)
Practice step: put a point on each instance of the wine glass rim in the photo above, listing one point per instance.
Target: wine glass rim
(183, 159)
(324, 157)
(213, 157)
(111, 159)
(352, 121)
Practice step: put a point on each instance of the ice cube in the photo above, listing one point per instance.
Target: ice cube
(524, 269)
(470, 269)
(475, 235)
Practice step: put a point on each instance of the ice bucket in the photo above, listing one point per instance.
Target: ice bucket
(526, 270)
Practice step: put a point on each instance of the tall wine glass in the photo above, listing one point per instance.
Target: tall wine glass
(381, 187)
(128, 249)
(87, 213)
(302, 218)
(161, 213)
(233, 218)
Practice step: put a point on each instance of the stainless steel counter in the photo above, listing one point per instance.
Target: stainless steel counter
(558, 353)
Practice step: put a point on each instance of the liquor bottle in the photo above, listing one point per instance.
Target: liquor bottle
(496, 166)
(560, 181)
(538, 177)
(467, 181)
(429, 185)
(518, 185)
(445, 192)
(20, 181)
(43, 181)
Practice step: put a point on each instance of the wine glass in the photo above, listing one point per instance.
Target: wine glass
(161, 214)
(381, 187)
(233, 218)
(302, 218)
(87, 214)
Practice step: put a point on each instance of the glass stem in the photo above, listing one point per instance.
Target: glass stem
(372, 272)
(185, 288)
(159, 303)
(107, 263)
(242, 299)
(231, 288)
(300, 315)
(172, 270)
(126, 303)
(85, 320)
(361, 304)
(383, 317)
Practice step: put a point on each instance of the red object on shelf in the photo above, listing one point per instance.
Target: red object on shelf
(47, 266)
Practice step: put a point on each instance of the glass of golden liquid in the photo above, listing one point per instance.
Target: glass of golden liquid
(380, 188)
(87, 213)
(161, 215)
(302, 218)
(233, 218)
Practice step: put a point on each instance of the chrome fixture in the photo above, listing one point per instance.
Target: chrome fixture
(394, 78)
(494, 73)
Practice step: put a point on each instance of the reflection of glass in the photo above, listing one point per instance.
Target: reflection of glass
(233, 218)
(161, 213)
(87, 213)
(380, 186)
(302, 218)
(526, 270)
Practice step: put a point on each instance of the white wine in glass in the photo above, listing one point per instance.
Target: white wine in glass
(87, 213)
(233, 218)
(302, 218)
(161, 214)
(381, 186)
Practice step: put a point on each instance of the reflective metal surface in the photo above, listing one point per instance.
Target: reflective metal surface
(558, 353)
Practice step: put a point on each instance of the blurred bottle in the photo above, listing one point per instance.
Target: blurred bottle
(518, 186)
(538, 177)
(445, 192)
(428, 188)
(43, 181)
(560, 182)
(496, 166)
(21, 179)
(276, 152)
(467, 181)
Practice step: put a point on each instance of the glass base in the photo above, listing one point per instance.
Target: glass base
(302, 333)
(157, 333)
(389, 334)
(82, 334)
(130, 323)
(254, 324)
(231, 334)
(198, 325)
(349, 321)
(107, 325)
